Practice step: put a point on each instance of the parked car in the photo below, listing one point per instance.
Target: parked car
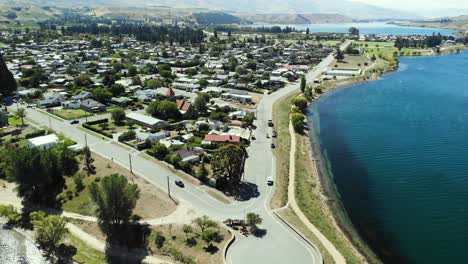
(273, 145)
(180, 183)
(270, 181)
(273, 134)
(267, 136)
(270, 123)
(74, 122)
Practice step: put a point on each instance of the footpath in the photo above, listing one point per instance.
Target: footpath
(336, 255)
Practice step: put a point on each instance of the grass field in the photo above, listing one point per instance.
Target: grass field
(13, 121)
(84, 253)
(71, 114)
(309, 196)
(152, 203)
(281, 120)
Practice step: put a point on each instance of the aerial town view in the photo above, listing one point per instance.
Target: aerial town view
(233, 132)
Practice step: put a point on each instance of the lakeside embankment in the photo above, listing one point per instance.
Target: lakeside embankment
(317, 195)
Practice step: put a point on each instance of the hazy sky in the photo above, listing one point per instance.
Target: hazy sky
(418, 4)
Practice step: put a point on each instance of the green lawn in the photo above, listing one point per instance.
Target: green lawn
(13, 121)
(84, 253)
(71, 114)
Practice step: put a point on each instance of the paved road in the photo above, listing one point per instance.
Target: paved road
(279, 245)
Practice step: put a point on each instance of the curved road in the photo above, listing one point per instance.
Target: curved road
(279, 245)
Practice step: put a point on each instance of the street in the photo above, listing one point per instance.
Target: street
(279, 245)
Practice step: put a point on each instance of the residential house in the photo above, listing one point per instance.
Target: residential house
(191, 155)
(146, 121)
(71, 104)
(82, 96)
(210, 139)
(238, 95)
(121, 101)
(185, 108)
(43, 142)
(92, 106)
(142, 136)
(50, 101)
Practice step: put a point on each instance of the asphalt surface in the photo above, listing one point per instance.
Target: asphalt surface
(278, 245)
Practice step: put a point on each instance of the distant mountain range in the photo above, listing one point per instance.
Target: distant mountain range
(343, 7)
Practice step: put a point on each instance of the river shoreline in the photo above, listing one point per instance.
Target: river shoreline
(327, 180)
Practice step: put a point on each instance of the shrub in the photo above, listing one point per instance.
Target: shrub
(35, 134)
(127, 136)
(10, 213)
(297, 121)
(159, 239)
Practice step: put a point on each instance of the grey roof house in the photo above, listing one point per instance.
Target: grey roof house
(92, 106)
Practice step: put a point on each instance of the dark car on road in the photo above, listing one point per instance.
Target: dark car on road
(270, 123)
(180, 183)
(74, 122)
(274, 134)
(273, 145)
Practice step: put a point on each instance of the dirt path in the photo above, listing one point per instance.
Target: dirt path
(337, 257)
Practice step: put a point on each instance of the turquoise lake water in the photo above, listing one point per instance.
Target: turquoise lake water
(398, 151)
(369, 28)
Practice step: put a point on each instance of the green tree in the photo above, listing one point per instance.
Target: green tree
(297, 120)
(49, 230)
(37, 173)
(200, 103)
(248, 119)
(11, 214)
(7, 81)
(117, 89)
(202, 172)
(21, 114)
(253, 220)
(88, 158)
(101, 95)
(164, 109)
(159, 239)
(209, 236)
(303, 83)
(205, 223)
(159, 151)
(187, 229)
(83, 81)
(300, 102)
(353, 31)
(132, 71)
(118, 115)
(228, 163)
(115, 199)
(339, 56)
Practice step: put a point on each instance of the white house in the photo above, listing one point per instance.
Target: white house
(146, 120)
(43, 142)
(142, 136)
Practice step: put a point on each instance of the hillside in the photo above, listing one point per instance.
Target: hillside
(459, 23)
(344, 7)
(296, 18)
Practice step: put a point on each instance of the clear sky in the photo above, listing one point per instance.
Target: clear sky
(418, 4)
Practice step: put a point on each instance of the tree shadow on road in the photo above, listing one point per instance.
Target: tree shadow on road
(259, 232)
(246, 191)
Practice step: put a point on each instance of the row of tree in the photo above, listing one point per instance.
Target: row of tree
(143, 32)
(427, 42)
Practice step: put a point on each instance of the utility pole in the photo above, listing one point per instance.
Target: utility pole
(168, 187)
(86, 140)
(130, 159)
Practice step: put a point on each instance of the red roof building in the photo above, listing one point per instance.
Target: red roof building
(222, 139)
(185, 107)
